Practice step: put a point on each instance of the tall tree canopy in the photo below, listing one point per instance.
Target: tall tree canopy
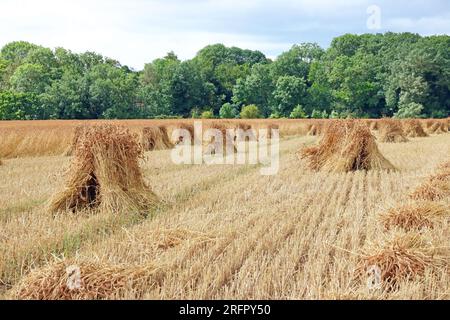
(369, 75)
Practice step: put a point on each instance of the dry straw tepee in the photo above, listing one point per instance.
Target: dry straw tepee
(374, 125)
(414, 216)
(315, 128)
(436, 126)
(399, 257)
(414, 129)
(436, 187)
(424, 211)
(244, 126)
(73, 280)
(76, 133)
(155, 138)
(347, 145)
(391, 131)
(105, 173)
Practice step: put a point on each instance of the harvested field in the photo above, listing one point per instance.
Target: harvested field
(226, 231)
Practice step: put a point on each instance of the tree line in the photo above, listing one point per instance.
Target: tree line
(402, 75)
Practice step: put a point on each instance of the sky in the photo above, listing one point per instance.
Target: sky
(136, 32)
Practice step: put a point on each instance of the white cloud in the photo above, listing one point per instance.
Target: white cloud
(425, 25)
(138, 31)
(327, 7)
(130, 31)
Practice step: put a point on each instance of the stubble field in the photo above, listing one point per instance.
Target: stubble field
(220, 232)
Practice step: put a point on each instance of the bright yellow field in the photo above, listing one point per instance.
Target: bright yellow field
(225, 232)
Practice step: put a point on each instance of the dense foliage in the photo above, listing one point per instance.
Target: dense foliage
(402, 75)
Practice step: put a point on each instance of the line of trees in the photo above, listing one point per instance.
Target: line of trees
(401, 75)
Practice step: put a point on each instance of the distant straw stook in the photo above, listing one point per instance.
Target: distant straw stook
(155, 138)
(347, 145)
(414, 129)
(391, 131)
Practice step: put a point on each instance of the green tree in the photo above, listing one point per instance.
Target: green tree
(207, 114)
(112, 92)
(298, 113)
(290, 91)
(405, 87)
(297, 61)
(45, 58)
(187, 89)
(256, 88)
(250, 112)
(30, 78)
(196, 113)
(276, 115)
(3, 73)
(408, 111)
(421, 77)
(172, 87)
(18, 106)
(156, 92)
(334, 114)
(17, 51)
(154, 102)
(221, 67)
(316, 114)
(369, 75)
(355, 86)
(227, 111)
(346, 45)
(68, 98)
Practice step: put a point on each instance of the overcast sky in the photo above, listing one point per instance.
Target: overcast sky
(138, 31)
